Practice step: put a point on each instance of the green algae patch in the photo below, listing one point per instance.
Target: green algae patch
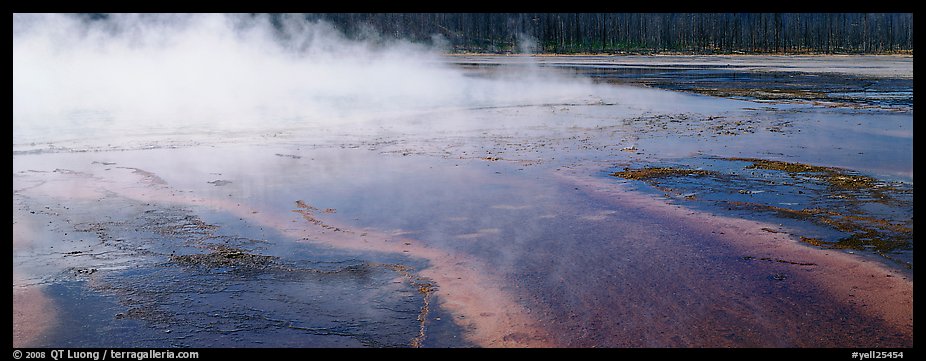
(836, 178)
(866, 213)
(864, 232)
(813, 241)
(870, 239)
(763, 94)
(782, 166)
(802, 214)
(660, 172)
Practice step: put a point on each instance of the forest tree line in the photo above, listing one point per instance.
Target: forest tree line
(703, 33)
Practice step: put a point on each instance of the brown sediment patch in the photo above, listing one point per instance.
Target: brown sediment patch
(837, 178)
(766, 94)
(866, 287)
(849, 191)
(813, 241)
(883, 235)
(225, 256)
(660, 172)
(769, 259)
(308, 213)
(463, 289)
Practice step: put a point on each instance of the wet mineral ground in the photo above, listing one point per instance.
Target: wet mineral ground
(705, 206)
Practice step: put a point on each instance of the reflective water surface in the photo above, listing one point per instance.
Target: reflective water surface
(485, 226)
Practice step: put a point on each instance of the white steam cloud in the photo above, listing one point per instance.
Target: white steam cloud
(73, 75)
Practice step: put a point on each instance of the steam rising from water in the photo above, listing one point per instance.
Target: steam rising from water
(161, 73)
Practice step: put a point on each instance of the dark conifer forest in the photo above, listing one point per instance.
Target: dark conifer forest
(699, 33)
